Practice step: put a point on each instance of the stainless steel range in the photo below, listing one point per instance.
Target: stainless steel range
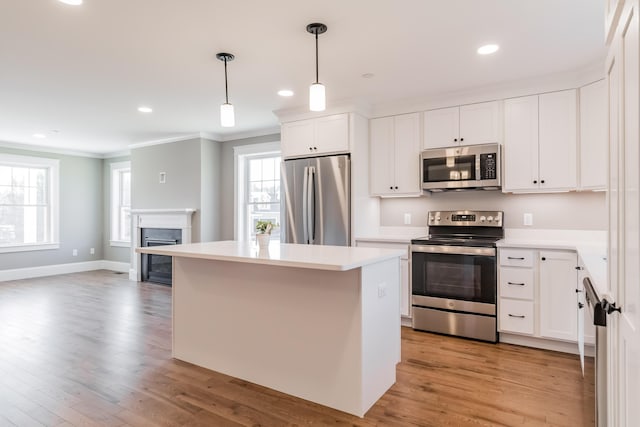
(454, 274)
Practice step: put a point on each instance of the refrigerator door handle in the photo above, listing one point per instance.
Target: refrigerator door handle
(305, 205)
(311, 208)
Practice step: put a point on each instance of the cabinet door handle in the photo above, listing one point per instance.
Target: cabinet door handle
(580, 305)
(455, 139)
(461, 139)
(516, 316)
(316, 149)
(578, 291)
(396, 187)
(543, 259)
(579, 268)
(391, 188)
(542, 181)
(515, 257)
(517, 284)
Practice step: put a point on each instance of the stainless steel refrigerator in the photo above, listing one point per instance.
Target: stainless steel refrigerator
(317, 201)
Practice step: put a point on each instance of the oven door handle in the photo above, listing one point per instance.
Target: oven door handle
(453, 250)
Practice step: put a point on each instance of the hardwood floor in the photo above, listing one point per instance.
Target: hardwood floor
(93, 349)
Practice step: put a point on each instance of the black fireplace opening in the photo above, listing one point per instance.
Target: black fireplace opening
(157, 268)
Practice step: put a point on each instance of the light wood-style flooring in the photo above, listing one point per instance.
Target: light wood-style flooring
(93, 349)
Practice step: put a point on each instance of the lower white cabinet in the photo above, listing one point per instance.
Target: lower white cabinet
(558, 306)
(537, 293)
(405, 269)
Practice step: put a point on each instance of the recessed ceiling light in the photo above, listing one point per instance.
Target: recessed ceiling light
(285, 92)
(145, 109)
(39, 135)
(488, 49)
(72, 2)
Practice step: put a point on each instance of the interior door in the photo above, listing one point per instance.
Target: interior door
(627, 294)
(623, 72)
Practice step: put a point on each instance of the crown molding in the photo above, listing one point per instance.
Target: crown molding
(337, 107)
(163, 141)
(45, 149)
(241, 135)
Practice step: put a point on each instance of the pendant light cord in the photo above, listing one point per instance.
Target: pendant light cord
(226, 87)
(316, 56)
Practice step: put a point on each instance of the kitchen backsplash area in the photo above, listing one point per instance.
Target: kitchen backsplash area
(563, 211)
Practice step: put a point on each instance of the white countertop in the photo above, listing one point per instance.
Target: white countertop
(336, 258)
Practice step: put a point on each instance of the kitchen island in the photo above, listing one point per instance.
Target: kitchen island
(317, 322)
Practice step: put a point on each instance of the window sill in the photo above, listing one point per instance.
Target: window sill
(119, 243)
(29, 247)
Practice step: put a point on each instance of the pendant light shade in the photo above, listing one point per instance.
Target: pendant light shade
(317, 98)
(227, 116)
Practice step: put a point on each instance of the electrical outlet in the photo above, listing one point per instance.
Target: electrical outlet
(92, 251)
(163, 177)
(75, 252)
(528, 219)
(407, 219)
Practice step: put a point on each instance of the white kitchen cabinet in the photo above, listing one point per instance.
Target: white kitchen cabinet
(317, 136)
(394, 156)
(516, 291)
(540, 144)
(405, 269)
(593, 136)
(558, 307)
(464, 125)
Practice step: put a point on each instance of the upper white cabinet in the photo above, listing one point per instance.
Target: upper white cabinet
(395, 155)
(464, 125)
(540, 145)
(321, 135)
(593, 136)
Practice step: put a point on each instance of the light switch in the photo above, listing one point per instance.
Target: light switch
(407, 219)
(528, 219)
(163, 177)
(382, 290)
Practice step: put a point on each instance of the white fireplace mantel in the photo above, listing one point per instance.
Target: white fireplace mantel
(156, 218)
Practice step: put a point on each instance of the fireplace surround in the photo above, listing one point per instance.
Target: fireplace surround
(178, 219)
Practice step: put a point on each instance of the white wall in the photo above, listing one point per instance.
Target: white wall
(567, 211)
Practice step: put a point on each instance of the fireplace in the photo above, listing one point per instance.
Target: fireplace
(157, 268)
(162, 219)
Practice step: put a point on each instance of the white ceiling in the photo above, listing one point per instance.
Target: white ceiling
(84, 70)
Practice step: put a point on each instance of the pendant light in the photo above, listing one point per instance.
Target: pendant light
(227, 117)
(317, 100)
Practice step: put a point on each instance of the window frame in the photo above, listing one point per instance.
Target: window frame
(53, 186)
(241, 152)
(116, 168)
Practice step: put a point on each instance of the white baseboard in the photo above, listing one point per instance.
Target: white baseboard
(546, 344)
(51, 270)
(120, 267)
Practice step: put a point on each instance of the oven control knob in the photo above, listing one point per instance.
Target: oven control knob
(489, 218)
(437, 218)
(482, 219)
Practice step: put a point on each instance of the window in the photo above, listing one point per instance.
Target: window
(28, 203)
(257, 188)
(120, 204)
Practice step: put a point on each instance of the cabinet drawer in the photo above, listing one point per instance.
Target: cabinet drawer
(384, 245)
(515, 316)
(517, 257)
(516, 283)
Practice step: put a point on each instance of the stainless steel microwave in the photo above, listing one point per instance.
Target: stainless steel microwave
(467, 167)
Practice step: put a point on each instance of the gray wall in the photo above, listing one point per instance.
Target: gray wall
(211, 184)
(111, 253)
(181, 162)
(572, 211)
(81, 214)
(228, 176)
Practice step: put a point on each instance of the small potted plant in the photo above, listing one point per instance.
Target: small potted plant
(263, 233)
